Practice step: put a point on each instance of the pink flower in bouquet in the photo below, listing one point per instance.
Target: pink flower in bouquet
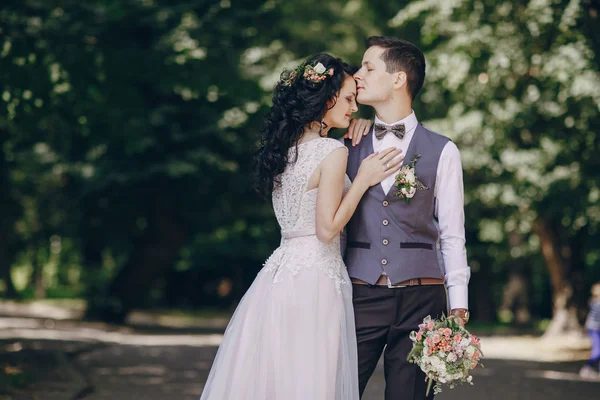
(457, 338)
(436, 338)
(430, 325)
(447, 332)
(419, 335)
(476, 342)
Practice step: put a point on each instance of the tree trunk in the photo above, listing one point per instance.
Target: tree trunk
(153, 254)
(10, 210)
(515, 298)
(92, 247)
(565, 317)
(480, 287)
(5, 274)
(37, 277)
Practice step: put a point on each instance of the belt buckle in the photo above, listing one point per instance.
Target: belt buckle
(389, 284)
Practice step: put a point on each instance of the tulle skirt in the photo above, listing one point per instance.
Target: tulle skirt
(290, 340)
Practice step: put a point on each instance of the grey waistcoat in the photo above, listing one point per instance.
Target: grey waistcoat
(386, 234)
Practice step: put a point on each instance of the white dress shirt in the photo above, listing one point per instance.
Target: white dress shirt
(449, 208)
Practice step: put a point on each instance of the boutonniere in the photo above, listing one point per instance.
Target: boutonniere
(407, 182)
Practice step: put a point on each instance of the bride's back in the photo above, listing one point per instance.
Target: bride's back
(294, 204)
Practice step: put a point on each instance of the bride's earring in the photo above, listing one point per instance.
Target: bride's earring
(323, 126)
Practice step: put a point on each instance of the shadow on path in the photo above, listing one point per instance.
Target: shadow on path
(73, 360)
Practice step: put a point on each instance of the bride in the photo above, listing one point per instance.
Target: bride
(292, 336)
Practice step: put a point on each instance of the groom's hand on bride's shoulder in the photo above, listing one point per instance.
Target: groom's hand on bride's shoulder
(358, 128)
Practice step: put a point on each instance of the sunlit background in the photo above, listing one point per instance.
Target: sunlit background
(127, 129)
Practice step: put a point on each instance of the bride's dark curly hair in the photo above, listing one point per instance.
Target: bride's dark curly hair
(297, 102)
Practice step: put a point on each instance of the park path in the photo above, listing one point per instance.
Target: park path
(71, 360)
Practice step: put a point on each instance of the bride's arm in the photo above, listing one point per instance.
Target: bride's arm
(333, 212)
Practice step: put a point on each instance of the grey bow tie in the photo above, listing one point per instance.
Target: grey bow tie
(381, 130)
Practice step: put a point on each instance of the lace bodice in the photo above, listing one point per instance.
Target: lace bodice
(294, 206)
(295, 209)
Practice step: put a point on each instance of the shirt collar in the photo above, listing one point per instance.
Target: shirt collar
(410, 122)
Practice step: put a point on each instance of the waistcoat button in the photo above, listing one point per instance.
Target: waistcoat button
(385, 222)
(385, 242)
(385, 203)
(384, 261)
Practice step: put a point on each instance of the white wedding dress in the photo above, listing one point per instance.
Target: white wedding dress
(292, 336)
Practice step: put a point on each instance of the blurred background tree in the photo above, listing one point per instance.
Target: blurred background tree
(127, 130)
(516, 85)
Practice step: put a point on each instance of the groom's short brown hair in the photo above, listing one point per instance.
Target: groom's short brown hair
(401, 55)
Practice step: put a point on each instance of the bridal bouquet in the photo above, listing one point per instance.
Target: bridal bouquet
(445, 351)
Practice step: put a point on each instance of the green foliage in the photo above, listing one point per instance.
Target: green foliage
(517, 86)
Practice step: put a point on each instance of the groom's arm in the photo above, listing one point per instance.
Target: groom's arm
(449, 211)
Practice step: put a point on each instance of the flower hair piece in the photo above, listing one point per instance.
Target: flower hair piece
(317, 73)
(314, 74)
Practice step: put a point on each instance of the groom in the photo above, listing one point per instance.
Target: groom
(403, 255)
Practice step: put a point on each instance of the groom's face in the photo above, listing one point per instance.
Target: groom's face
(373, 83)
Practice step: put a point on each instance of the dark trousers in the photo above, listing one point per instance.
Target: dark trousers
(384, 319)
